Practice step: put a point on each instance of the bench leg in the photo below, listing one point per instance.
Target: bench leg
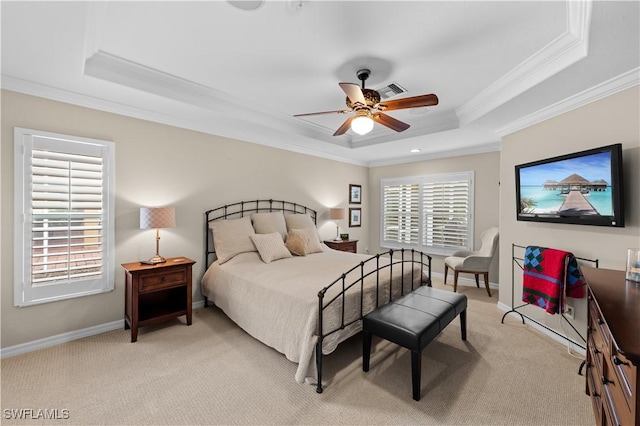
(366, 350)
(463, 324)
(416, 370)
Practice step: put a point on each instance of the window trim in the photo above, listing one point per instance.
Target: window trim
(420, 181)
(24, 293)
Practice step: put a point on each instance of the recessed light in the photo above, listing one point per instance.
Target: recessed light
(246, 5)
(415, 150)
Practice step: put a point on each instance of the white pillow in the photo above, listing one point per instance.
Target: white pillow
(267, 223)
(232, 237)
(313, 244)
(270, 246)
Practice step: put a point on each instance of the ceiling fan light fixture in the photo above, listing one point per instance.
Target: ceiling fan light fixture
(362, 125)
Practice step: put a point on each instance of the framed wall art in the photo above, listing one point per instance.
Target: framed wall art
(355, 217)
(355, 194)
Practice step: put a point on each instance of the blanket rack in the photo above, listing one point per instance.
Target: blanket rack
(515, 261)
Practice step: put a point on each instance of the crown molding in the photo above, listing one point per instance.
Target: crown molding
(565, 50)
(617, 84)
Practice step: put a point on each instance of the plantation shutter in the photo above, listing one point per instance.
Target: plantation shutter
(66, 222)
(432, 213)
(446, 214)
(401, 210)
(67, 216)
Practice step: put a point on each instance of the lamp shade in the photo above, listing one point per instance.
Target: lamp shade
(157, 217)
(336, 213)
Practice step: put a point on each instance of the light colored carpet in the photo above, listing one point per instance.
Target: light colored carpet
(214, 373)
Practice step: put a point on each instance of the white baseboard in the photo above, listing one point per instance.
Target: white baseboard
(47, 342)
(566, 341)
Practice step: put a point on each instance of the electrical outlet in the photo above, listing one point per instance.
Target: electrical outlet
(569, 312)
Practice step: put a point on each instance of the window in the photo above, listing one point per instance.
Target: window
(432, 213)
(64, 221)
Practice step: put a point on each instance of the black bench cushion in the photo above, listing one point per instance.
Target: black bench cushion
(416, 318)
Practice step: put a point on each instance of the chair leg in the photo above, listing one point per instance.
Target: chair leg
(486, 283)
(446, 269)
(416, 370)
(477, 282)
(455, 280)
(366, 350)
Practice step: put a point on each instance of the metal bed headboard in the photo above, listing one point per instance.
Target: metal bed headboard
(244, 208)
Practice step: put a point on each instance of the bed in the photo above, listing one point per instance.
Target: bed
(268, 271)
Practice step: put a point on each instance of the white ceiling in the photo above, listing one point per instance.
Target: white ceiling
(213, 67)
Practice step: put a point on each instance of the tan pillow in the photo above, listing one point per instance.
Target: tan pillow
(267, 223)
(299, 221)
(312, 243)
(232, 237)
(270, 246)
(296, 243)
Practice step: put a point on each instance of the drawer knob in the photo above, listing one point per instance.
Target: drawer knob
(596, 351)
(599, 321)
(605, 381)
(618, 361)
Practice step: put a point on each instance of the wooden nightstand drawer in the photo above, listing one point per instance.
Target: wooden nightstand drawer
(150, 282)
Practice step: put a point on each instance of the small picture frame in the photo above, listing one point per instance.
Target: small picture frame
(344, 236)
(355, 194)
(355, 217)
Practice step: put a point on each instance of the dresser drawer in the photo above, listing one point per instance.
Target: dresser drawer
(625, 374)
(166, 279)
(598, 330)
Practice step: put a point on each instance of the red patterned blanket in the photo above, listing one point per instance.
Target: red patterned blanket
(549, 276)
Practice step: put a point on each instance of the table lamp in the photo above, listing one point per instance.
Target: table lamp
(337, 214)
(157, 217)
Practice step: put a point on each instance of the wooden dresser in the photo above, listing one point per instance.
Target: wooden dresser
(613, 347)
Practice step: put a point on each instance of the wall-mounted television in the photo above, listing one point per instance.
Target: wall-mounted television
(580, 188)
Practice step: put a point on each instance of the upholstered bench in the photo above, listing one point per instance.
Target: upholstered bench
(412, 321)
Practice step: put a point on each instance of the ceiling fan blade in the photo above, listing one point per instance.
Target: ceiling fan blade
(340, 111)
(390, 122)
(411, 102)
(354, 93)
(345, 126)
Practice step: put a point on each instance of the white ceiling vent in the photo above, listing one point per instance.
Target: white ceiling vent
(390, 90)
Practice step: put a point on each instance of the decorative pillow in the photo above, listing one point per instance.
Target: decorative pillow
(232, 237)
(304, 221)
(296, 243)
(270, 246)
(268, 223)
(312, 243)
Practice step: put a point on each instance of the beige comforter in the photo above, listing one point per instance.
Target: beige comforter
(277, 302)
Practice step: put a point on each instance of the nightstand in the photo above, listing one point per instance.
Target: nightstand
(156, 293)
(343, 245)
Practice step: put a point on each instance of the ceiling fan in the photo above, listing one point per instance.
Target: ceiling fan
(368, 108)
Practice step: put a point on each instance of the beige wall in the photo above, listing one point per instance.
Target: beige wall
(157, 165)
(486, 197)
(604, 122)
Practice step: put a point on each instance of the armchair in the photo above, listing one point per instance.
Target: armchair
(474, 262)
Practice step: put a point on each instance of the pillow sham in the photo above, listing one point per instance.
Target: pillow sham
(267, 223)
(270, 246)
(312, 242)
(232, 237)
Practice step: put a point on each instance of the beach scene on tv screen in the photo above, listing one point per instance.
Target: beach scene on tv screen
(573, 187)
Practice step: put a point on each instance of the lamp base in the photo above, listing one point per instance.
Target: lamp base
(154, 260)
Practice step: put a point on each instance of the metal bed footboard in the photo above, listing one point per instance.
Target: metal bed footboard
(407, 258)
